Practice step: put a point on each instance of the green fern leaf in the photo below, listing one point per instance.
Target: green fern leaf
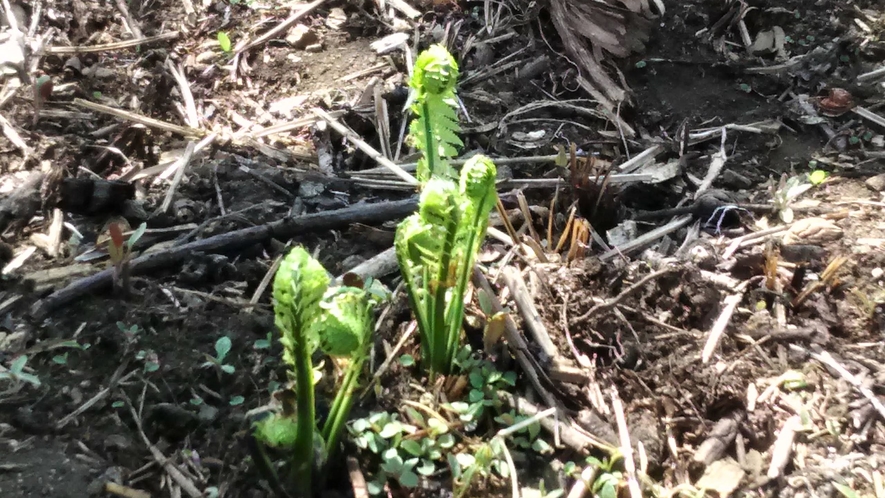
(298, 287)
(435, 129)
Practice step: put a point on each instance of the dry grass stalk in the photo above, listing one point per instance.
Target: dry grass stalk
(587, 29)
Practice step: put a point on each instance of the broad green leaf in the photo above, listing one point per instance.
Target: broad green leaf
(222, 347)
(426, 468)
(375, 487)
(136, 235)
(408, 479)
(454, 465)
(18, 364)
(541, 446)
(360, 425)
(846, 491)
(446, 441)
(817, 177)
(391, 429)
(412, 447)
(224, 41)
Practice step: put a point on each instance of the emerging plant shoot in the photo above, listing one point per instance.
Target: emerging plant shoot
(434, 132)
(311, 315)
(436, 248)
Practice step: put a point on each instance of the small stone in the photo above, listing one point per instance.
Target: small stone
(877, 273)
(877, 183)
(300, 36)
(336, 18)
(207, 413)
(74, 64)
(310, 189)
(117, 442)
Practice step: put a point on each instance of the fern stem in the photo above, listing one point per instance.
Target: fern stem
(441, 361)
(477, 229)
(431, 152)
(302, 454)
(413, 293)
(342, 404)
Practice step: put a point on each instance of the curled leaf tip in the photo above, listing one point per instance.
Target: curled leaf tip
(277, 431)
(343, 328)
(298, 287)
(437, 200)
(478, 177)
(435, 71)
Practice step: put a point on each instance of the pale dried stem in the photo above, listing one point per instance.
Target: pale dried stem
(626, 446)
(107, 47)
(730, 304)
(783, 446)
(174, 473)
(181, 165)
(524, 303)
(191, 117)
(365, 147)
(827, 359)
(135, 118)
(131, 23)
(278, 29)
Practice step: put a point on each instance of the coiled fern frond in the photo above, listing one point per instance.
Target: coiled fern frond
(310, 314)
(435, 130)
(436, 249)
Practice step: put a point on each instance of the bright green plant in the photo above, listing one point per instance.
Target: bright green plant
(311, 315)
(817, 177)
(224, 42)
(495, 455)
(434, 132)
(120, 252)
(436, 248)
(608, 481)
(485, 381)
(427, 442)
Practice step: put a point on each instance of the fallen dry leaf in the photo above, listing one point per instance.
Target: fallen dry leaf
(812, 230)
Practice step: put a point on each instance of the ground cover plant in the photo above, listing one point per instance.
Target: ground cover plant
(679, 291)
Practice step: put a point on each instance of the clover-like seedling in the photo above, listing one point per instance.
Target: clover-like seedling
(407, 451)
(222, 348)
(403, 470)
(131, 333)
(17, 374)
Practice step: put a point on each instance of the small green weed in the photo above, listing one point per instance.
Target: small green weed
(222, 348)
(17, 374)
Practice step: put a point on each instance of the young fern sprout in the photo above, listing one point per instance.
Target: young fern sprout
(436, 249)
(310, 315)
(435, 129)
